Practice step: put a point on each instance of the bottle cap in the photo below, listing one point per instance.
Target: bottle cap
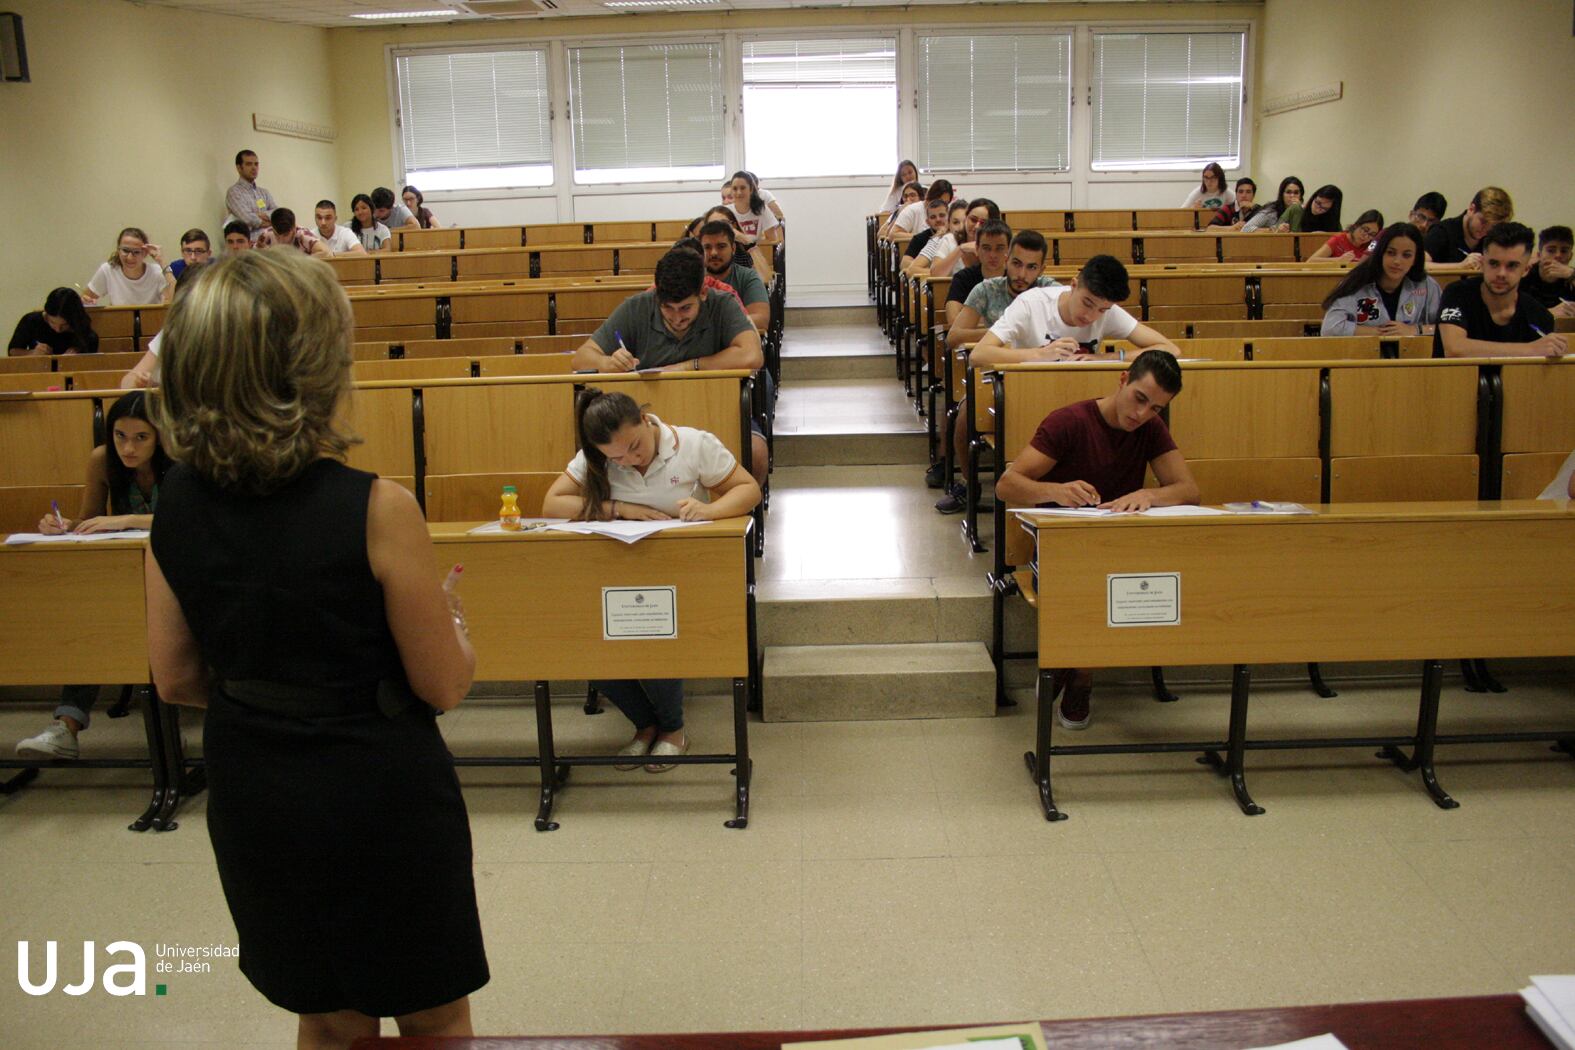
(511, 488)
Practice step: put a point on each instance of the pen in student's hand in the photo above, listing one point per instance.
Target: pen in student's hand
(619, 336)
(452, 579)
(54, 505)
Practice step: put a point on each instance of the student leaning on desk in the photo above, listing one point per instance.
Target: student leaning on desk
(294, 599)
(632, 465)
(1093, 454)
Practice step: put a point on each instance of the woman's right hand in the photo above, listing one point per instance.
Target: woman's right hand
(639, 512)
(50, 525)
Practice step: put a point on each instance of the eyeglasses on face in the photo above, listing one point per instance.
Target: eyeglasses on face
(132, 252)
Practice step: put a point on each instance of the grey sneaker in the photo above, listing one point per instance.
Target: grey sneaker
(57, 741)
(955, 501)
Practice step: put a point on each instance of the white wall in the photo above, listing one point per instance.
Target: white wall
(133, 118)
(1470, 95)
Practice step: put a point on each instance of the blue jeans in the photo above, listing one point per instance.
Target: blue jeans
(76, 701)
(647, 701)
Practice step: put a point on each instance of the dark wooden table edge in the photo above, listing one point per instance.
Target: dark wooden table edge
(1497, 1021)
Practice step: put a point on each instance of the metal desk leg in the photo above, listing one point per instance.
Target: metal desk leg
(1162, 693)
(1319, 686)
(745, 767)
(552, 774)
(1491, 684)
(1234, 764)
(1038, 759)
(155, 738)
(173, 757)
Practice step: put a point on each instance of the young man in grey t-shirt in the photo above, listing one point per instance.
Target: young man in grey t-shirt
(678, 326)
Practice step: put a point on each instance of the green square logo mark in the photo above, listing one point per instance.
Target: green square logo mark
(160, 989)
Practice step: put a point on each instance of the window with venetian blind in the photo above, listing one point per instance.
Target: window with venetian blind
(646, 112)
(1166, 101)
(475, 119)
(996, 102)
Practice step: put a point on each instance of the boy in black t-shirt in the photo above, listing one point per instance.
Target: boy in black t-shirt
(1459, 241)
(1550, 280)
(1487, 316)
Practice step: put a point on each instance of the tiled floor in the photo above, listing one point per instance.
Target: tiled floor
(893, 872)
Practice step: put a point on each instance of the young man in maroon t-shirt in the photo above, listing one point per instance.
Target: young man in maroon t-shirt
(1093, 454)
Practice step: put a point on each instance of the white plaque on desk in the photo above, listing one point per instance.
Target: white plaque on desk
(639, 612)
(1143, 599)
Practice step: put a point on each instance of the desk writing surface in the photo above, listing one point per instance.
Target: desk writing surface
(533, 601)
(1352, 582)
(73, 613)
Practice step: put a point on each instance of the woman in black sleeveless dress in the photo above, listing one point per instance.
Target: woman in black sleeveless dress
(298, 600)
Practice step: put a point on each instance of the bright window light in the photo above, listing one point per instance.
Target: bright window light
(823, 107)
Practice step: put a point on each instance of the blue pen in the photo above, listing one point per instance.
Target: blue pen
(54, 505)
(619, 334)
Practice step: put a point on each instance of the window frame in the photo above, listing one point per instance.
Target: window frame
(1077, 180)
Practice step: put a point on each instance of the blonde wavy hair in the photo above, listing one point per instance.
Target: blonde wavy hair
(255, 362)
(1494, 203)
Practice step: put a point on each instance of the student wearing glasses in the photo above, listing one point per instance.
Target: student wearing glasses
(195, 250)
(133, 276)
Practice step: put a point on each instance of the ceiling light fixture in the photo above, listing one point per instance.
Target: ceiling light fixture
(383, 15)
(660, 3)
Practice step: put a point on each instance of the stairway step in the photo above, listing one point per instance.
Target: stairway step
(801, 368)
(879, 611)
(828, 683)
(820, 448)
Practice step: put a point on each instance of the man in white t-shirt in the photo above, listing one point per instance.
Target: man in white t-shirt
(1059, 323)
(340, 240)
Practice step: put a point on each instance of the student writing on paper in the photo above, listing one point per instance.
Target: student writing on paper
(1093, 454)
(632, 465)
(122, 490)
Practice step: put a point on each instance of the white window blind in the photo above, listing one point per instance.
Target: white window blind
(1167, 100)
(995, 102)
(475, 118)
(820, 107)
(644, 112)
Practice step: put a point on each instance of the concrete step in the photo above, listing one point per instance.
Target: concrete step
(876, 611)
(827, 683)
(821, 316)
(819, 448)
(808, 368)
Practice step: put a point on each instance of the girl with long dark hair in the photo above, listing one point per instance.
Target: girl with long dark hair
(632, 465)
(121, 492)
(1352, 243)
(1284, 214)
(755, 214)
(417, 203)
(61, 327)
(363, 223)
(1322, 213)
(1389, 292)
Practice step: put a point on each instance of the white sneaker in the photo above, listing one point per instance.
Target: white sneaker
(635, 748)
(58, 741)
(666, 749)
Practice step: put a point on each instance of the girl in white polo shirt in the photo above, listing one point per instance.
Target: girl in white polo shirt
(632, 465)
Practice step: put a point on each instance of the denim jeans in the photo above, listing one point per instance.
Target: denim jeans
(647, 701)
(76, 701)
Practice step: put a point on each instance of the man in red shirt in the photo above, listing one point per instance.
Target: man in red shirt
(1093, 454)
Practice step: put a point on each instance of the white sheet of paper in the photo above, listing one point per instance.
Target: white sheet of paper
(1317, 1042)
(19, 538)
(1559, 487)
(984, 1044)
(1068, 512)
(1184, 511)
(1546, 1016)
(1560, 992)
(627, 531)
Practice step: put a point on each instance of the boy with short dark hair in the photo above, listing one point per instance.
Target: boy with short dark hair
(1486, 316)
(1549, 280)
(285, 233)
(1094, 454)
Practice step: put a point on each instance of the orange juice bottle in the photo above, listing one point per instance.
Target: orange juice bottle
(509, 516)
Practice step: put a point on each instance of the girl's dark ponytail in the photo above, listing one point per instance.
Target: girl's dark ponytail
(597, 417)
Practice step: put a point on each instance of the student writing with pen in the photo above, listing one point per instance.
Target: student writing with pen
(679, 325)
(1487, 316)
(122, 489)
(631, 465)
(1094, 454)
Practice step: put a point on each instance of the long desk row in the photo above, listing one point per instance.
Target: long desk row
(535, 603)
(1317, 431)
(485, 264)
(453, 442)
(447, 238)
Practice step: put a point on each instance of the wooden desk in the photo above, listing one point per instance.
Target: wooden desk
(47, 637)
(535, 605)
(1377, 581)
(1470, 1023)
